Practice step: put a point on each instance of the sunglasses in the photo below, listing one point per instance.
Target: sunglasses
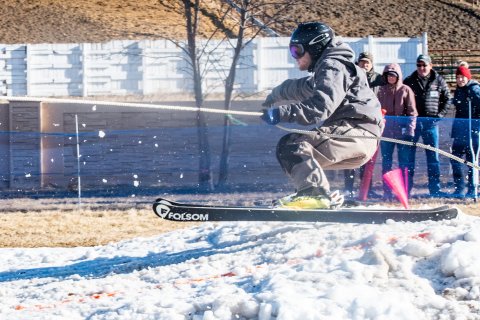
(297, 50)
(419, 65)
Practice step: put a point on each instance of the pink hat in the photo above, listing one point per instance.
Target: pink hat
(464, 71)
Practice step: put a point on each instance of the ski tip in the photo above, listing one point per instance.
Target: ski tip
(162, 207)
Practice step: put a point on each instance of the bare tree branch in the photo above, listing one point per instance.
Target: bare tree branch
(253, 19)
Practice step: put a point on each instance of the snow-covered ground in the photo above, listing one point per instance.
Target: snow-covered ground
(427, 270)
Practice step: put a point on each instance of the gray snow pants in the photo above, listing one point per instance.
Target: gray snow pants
(304, 157)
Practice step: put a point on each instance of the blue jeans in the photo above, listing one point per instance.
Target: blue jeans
(403, 152)
(427, 128)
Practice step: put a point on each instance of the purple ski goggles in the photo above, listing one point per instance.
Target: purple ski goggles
(297, 50)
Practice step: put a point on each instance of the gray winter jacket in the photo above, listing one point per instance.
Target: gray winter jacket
(336, 92)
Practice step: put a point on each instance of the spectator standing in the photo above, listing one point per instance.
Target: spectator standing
(375, 80)
(467, 95)
(432, 100)
(399, 102)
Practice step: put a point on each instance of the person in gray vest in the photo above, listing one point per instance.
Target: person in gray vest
(432, 100)
(375, 81)
(336, 99)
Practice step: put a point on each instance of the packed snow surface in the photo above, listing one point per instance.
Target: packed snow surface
(397, 270)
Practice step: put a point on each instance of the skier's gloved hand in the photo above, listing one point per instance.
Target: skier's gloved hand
(271, 116)
(269, 101)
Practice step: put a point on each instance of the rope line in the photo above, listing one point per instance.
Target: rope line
(408, 143)
(130, 104)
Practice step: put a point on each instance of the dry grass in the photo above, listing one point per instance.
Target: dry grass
(60, 223)
(57, 228)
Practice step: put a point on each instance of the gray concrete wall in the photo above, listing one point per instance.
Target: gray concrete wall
(24, 145)
(131, 146)
(4, 145)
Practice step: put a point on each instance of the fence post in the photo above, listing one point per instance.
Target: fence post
(424, 43)
(79, 182)
(371, 45)
(84, 47)
(28, 65)
(258, 54)
(143, 46)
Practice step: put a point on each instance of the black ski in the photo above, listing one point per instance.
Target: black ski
(169, 210)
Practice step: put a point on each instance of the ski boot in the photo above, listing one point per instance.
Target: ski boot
(312, 198)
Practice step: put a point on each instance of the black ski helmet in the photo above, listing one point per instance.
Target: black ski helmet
(311, 37)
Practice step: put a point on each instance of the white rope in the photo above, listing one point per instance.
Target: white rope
(408, 143)
(129, 104)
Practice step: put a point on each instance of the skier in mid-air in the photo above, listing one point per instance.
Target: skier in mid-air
(337, 99)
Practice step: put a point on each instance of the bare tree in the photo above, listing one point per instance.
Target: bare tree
(191, 10)
(236, 22)
(191, 14)
(254, 18)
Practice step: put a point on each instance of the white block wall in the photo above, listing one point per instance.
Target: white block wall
(152, 67)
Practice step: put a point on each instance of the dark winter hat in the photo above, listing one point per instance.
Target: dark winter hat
(365, 56)
(424, 58)
(392, 73)
(464, 71)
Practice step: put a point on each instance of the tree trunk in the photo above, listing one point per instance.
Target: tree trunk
(226, 143)
(229, 82)
(205, 181)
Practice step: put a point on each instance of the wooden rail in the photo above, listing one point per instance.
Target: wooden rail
(446, 62)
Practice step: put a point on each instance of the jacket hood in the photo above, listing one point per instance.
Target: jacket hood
(393, 67)
(469, 85)
(472, 82)
(337, 49)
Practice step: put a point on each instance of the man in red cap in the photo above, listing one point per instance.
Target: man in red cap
(467, 103)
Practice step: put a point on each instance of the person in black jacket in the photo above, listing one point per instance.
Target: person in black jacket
(432, 99)
(375, 79)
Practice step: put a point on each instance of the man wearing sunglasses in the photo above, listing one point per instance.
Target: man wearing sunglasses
(432, 98)
(335, 98)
